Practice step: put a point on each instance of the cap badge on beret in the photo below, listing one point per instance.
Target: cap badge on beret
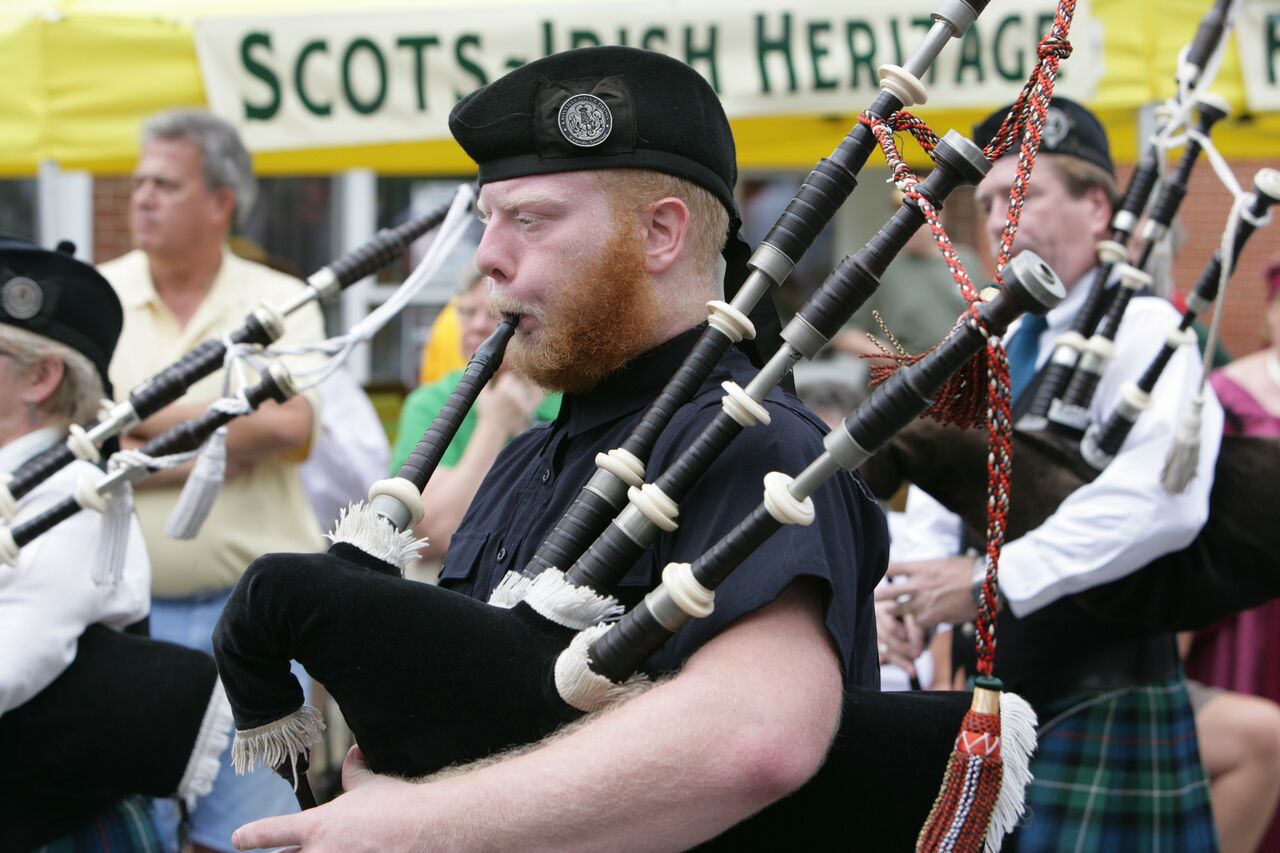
(21, 298)
(585, 120)
(1056, 127)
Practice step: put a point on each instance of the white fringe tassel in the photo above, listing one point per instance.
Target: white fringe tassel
(361, 527)
(206, 755)
(584, 689)
(575, 607)
(108, 568)
(511, 590)
(201, 490)
(1017, 743)
(1181, 464)
(275, 743)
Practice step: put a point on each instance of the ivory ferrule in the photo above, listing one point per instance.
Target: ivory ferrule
(398, 501)
(8, 504)
(81, 445)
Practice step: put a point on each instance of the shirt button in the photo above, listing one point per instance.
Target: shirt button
(546, 474)
(502, 554)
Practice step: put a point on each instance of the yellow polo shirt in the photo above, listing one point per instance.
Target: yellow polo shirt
(260, 511)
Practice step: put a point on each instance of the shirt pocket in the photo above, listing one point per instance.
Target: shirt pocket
(465, 552)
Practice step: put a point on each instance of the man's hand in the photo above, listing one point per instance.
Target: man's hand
(508, 402)
(354, 822)
(901, 640)
(939, 590)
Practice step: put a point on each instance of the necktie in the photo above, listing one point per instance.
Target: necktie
(1022, 350)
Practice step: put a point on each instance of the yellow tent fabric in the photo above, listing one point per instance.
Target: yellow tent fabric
(443, 353)
(81, 74)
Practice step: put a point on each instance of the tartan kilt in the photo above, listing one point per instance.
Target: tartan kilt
(1118, 771)
(126, 827)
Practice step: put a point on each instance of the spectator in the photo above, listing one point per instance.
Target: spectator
(179, 286)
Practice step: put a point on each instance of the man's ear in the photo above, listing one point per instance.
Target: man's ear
(666, 227)
(42, 380)
(1101, 210)
(224, 206)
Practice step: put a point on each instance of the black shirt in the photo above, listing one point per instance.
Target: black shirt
(538, 475)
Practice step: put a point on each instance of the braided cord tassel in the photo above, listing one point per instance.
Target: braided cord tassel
(983, 790)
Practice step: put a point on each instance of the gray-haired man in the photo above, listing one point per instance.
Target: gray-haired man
(180, 286)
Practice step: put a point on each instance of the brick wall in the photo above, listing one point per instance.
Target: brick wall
(110, 217)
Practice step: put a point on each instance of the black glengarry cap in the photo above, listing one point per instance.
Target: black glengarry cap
(600, 108)
(1068, 129)
(54, 295)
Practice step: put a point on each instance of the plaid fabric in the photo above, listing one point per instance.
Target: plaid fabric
(124, 828)
(1119, 771)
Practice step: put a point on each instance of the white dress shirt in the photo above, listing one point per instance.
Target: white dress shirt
(48, 600)
(1124, 519)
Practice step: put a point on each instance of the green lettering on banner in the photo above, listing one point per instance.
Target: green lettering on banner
(364, 107)
(924, 25)
(548, 39)
(1018, 71)
(971, 56)
(652, 36)
(299, 74)
(818, 51)
(1272, 29)
(583, 38)
(700, 54)
(255, 112)
(419, 45)
(864, 58)
(897, 41)
(466, 63)
(766, 46)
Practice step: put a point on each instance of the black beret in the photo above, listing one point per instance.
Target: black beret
(1068, 129)
(600, 108)
(54, 295)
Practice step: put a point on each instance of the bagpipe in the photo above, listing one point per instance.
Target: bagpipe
(1061, 397)
(263, 326)
(414, 714)
(130, 715)
(507, 676)
(1227, 568)
(109, 494)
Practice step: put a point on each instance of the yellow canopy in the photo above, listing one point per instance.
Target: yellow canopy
(81, 74)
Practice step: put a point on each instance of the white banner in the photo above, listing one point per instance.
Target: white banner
(329, 80)
(1258, 37)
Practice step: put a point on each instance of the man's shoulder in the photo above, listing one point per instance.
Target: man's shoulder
(127, 272)
(264, 281)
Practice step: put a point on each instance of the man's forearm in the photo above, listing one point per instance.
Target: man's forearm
(747, 721)
(273, 429)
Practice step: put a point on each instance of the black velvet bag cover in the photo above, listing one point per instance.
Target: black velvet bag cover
(878, 783)
(1230, 566)
(122, 719)
(425, 677)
